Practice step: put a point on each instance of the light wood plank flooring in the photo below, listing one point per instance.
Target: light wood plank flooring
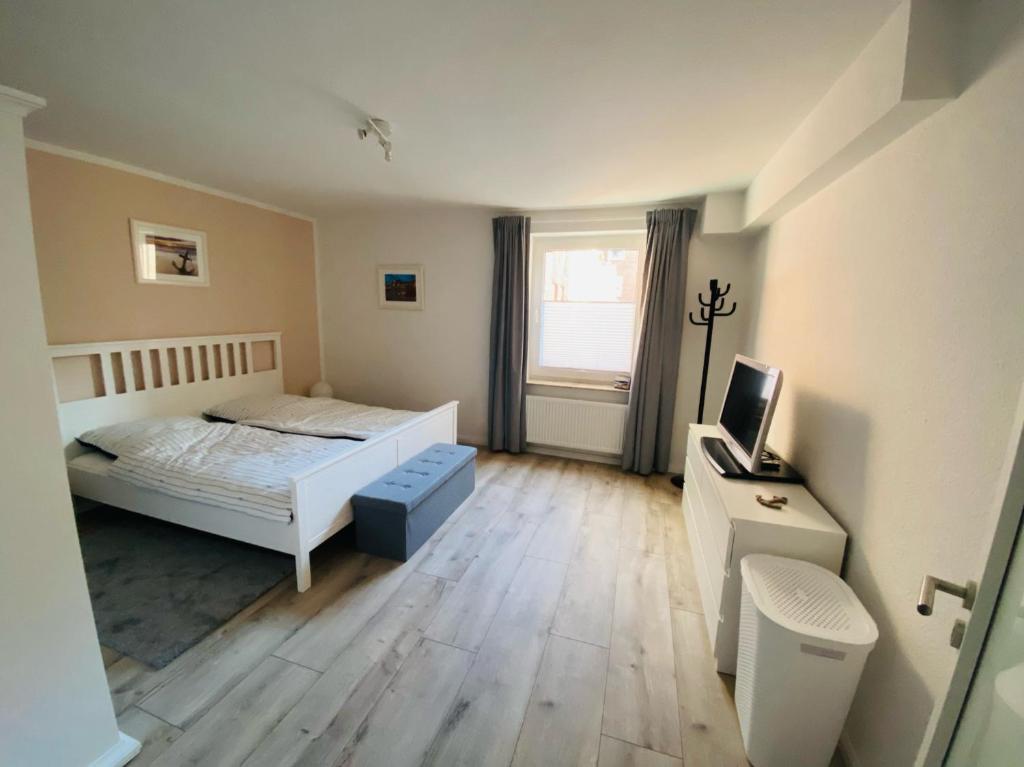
(553, 620)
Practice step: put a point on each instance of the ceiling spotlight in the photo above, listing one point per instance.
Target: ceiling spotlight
(381, 130)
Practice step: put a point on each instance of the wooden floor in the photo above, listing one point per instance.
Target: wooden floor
(553, 620)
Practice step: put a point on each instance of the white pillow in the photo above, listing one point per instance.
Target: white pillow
(254, 407)
(124, 436)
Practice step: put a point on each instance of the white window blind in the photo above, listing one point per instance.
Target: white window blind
(584, 307)
(587, 336)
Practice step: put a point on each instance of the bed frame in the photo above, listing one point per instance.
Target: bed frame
(183, 376)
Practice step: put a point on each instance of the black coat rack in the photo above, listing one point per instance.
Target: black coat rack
(709, 311)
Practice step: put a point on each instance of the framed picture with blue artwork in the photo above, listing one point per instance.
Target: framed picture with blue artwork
(400, 286)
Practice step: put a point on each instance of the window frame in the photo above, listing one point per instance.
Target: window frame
(576, 377)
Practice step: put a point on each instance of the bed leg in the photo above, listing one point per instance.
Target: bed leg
(303, 575)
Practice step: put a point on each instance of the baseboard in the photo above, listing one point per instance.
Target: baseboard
(474, 440)
(119, 754)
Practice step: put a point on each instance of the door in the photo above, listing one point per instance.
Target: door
(981, 720)
(990, 732)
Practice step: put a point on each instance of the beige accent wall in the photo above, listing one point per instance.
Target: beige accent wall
(892, 301)
(262, 263)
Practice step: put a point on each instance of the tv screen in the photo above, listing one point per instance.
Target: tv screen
(748, 406)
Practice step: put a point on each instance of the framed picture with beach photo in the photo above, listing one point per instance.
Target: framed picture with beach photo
(169, 255)
(400, 286)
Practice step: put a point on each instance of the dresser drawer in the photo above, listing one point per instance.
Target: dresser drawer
(710, 579)
(719, 527)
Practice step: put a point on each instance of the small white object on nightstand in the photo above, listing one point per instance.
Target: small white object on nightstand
(321, 389)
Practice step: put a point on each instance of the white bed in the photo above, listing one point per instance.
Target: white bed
(184, 376)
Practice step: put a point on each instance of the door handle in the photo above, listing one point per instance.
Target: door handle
(931, 584)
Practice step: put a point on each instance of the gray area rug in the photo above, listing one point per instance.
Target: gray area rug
(157, 588)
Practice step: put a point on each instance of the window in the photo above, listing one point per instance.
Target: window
(584, 300)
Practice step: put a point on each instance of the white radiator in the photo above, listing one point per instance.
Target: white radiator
(572, 424)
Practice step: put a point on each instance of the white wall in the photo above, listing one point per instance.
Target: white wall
(55, 708)
(892, 300)
(420, 359)
(410, 359)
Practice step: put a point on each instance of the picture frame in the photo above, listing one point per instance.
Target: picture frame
(169, 255)
(400, 286)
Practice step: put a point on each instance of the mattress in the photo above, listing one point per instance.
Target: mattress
(89, 476)
(93, 462)
(227, 465)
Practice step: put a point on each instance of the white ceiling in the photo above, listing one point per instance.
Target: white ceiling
(506, 103)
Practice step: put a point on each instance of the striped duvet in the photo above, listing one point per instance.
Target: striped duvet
(312, 416)
(228, 465)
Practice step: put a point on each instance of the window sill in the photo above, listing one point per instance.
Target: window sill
(574, 385)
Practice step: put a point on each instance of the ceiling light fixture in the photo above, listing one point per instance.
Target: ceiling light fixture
(382, 130)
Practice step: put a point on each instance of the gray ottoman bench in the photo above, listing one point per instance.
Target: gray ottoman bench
(396, 514)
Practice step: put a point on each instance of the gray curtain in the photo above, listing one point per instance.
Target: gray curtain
(652, 396)
(506, 406)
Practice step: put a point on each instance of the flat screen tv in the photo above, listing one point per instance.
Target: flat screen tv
(747, 410)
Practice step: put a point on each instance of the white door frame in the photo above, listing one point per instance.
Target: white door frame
(1010, 498)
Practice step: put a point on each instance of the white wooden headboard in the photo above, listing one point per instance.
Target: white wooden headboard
(161, 377)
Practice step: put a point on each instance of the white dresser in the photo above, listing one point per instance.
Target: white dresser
(725, 523)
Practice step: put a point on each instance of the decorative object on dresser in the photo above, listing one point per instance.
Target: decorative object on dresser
(169, 255)
(726, 522)
(400, 286)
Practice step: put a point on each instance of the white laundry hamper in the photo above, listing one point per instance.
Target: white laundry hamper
(804, 638)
